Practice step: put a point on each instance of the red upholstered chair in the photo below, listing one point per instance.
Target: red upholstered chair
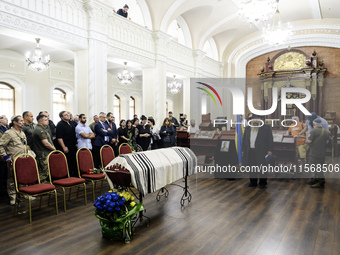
(84, 163)
(124, 148)
(106, 155)
(26, 174)
(60, 177)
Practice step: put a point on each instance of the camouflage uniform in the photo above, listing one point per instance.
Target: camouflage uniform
(12, 144)
(40, 133)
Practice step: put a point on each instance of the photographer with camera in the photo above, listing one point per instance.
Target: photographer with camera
(184, 122)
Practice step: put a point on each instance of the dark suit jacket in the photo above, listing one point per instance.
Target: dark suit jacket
(263, 144)
(114, 129)
(100, 134)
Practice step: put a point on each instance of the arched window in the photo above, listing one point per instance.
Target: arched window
(116, 108)
(132, 107)
(59, 103)
(7, 102)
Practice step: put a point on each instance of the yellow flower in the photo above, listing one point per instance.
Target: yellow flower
(132, 204)
(110, 191)
(132, 198)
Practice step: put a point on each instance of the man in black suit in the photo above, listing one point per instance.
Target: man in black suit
(103, 136)
(113, 138)
(257, 143)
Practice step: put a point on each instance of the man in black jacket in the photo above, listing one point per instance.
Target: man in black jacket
(257, 144)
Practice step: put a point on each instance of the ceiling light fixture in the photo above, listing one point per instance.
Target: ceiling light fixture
(253, 11)
(174, 87)
(278, 33)
(125, 77)
(36, 63)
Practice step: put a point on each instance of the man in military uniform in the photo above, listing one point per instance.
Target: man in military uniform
(95, 121)
(318, 139)
(13, 143)
(43, 145)
(28, 128)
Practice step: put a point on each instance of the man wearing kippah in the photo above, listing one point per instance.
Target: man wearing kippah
(318, 139)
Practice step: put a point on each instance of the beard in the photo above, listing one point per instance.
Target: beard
(255, 128)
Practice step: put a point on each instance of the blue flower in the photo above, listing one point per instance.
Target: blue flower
(115, 198)
(99, 208)
(117, 208)
(112, 204)
(121, 202)
(110, 209)
(108, 202)
(105, 207)
(123, 199)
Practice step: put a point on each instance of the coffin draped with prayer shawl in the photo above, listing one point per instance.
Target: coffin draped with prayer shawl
(153, 170)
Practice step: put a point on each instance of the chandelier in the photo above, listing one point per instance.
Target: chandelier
(278, 33)
(174, 87)
(36, 63)
(125, 77)
(253, 11)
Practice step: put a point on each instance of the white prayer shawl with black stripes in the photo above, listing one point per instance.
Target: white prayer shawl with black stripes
(153, 170)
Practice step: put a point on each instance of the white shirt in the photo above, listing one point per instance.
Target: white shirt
(253, 136)
(192, 129)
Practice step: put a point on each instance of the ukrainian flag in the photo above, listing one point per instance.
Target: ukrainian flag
(238, 139)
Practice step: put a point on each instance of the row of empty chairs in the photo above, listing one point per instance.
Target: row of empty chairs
(27, 181)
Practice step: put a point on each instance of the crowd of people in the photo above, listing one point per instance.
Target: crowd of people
(311, 143)
(39, 139)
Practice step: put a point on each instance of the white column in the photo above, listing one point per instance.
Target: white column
(154, 92)
(91, 78)
(186, 97)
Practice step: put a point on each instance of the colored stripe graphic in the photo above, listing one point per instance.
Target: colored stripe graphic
(208, 94)
(212, 89)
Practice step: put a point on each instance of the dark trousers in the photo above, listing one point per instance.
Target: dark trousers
(96, 152)
(71, 161)
(255, 176)
(3, 176)
(154, 145)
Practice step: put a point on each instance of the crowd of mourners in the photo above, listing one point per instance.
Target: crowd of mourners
(40, 138)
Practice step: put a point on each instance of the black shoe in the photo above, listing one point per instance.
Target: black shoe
(252, 185)
(262, 186)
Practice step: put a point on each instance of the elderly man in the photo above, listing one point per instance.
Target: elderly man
(257, 143)
(3, 124)
(43, 145)
(95, 121)
(28, 128)
(192, 128)
(309, 123)
(84, 133)
(13, 143)
(103, 136)
(318, 139)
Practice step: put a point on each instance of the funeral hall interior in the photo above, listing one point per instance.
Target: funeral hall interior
(150, 63)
